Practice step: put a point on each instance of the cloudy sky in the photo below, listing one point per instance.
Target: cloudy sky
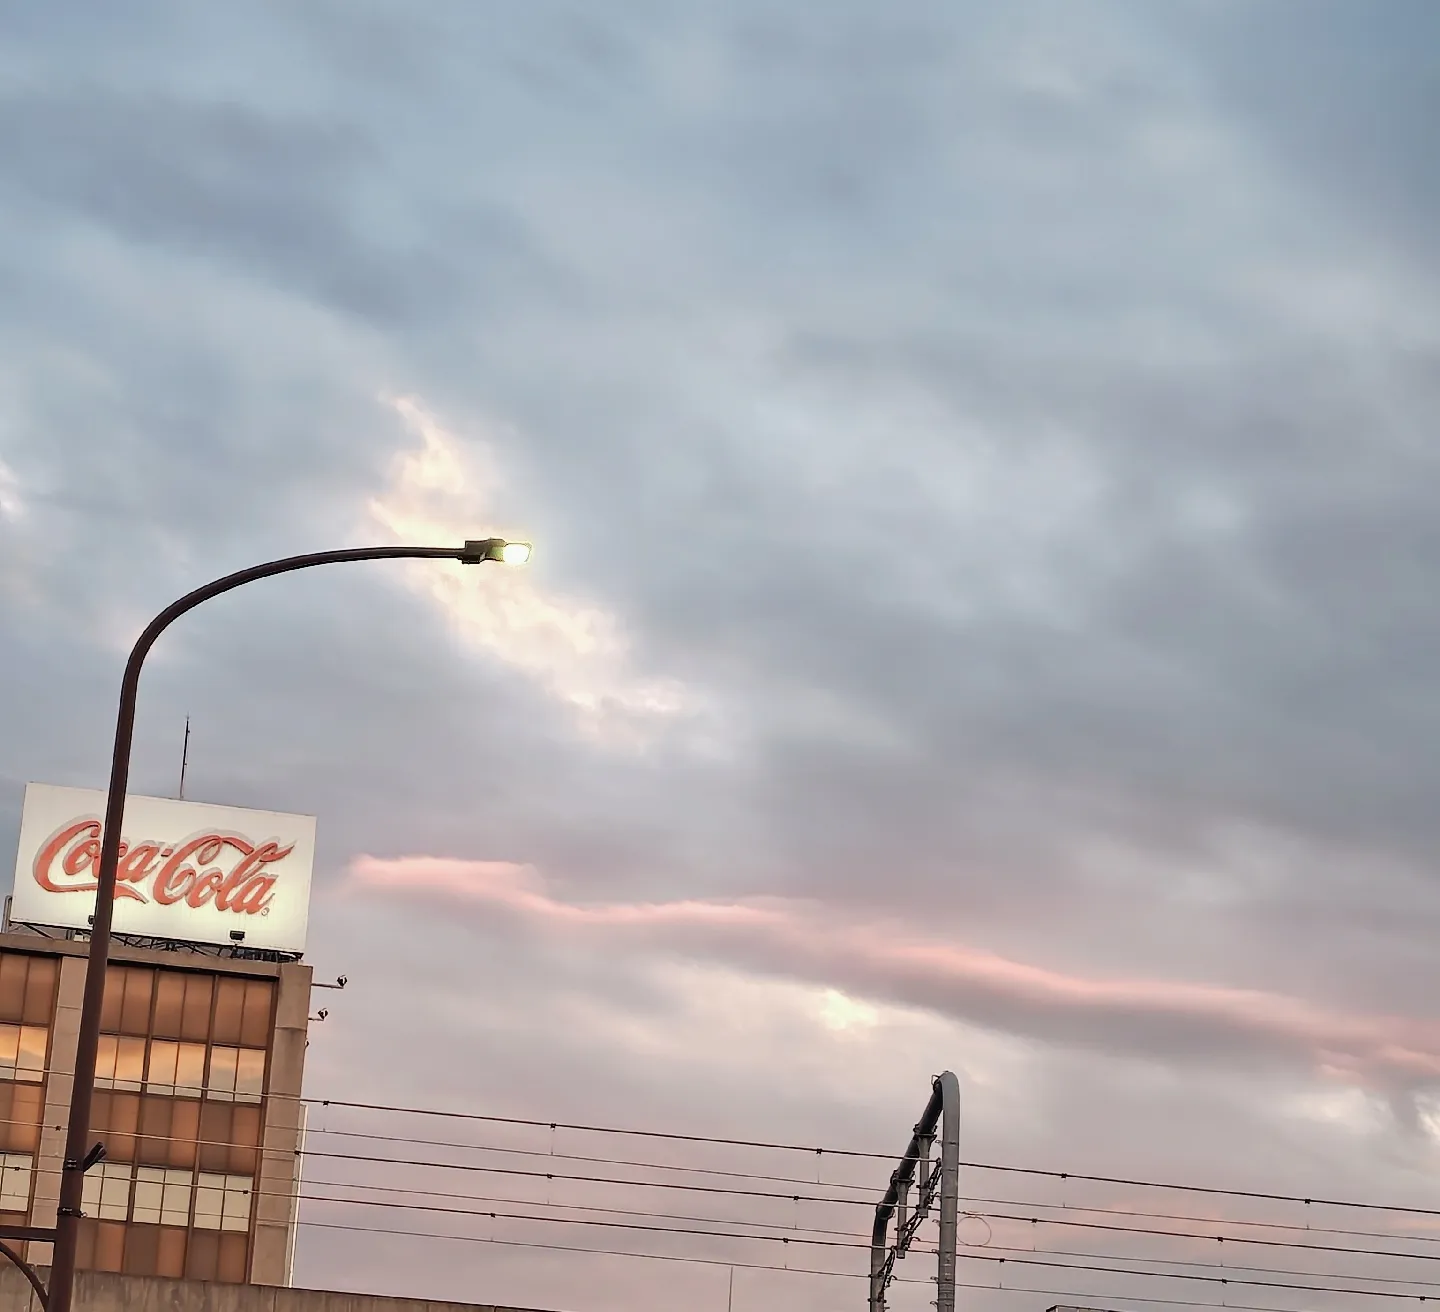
(983, 469)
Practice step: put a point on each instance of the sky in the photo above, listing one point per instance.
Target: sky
(982, 468)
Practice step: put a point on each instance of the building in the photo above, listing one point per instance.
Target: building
(97, 1292)
(196, 1101)
(203, 1035)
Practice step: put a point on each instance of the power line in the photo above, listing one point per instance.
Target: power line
(1203, 1279)
(601, 1161)
(588, 1179)
(820, 1151)
(964, 1256)
(788, 1235)
(291, 1194)
(597, 1129)
(822, 1199)
(1213, 1239)
(869, 1190)
(1208, 1220)
(618, 1211)
(1148, 1299)
(794, 1230)
(680, 1216)
(1091, 1263)
(842, 1240)
(754, 1193)
(1218, 1266)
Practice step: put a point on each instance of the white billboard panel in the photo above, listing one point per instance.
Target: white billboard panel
(189, 872)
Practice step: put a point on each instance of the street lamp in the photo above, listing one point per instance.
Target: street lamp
(507, 553)
(80, 1155)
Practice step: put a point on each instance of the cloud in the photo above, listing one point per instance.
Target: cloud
(11, 505)
(520, 888)
(17, 541)
(441, 492)
(1020, 418)
(1142, 1018)
(841, 1013)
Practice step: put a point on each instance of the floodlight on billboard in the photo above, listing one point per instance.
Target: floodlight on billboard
(189, 872)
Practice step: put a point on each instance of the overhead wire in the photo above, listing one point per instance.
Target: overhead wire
(895, 1158)
(1099, 1267)
(617, 1182)
(1213, 1239)
(850, 1241)
(520, 1172)
(869, 1189)
(599, 1161)
(786, 1234)
(800, 1236)
(834, 1152)
(1150, 1300)
(1322, 1282)
(678, 1216)
(820, 1152)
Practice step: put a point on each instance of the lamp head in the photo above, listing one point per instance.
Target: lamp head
(507, 553)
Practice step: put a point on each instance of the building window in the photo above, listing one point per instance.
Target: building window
(162, 1197)
(27, 988)
(229, 1138)
(183, 1034)
(21, 1106)
(120, 1063)
(222, 1202)
(16, 1170)
(172, 1067)
(175, 1067)
(22, 1052)
(107, 1191)
(216, 1256)
(128, 993)
(242, 1011)
(168, 1131)
(182, 1005)
(236, 1074)
(155, 1195)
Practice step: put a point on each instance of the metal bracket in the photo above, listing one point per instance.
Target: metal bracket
(92, 1158)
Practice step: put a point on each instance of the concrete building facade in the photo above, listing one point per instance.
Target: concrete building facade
(106, 1292)
(197, 1102)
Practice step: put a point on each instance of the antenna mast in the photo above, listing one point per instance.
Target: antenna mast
(184, 758)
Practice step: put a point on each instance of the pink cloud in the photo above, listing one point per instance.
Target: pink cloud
(1163, 1017)
(519, 888)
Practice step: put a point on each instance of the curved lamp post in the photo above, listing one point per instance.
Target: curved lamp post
(80, 1155)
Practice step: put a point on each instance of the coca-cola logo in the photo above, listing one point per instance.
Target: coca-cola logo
(223, 870)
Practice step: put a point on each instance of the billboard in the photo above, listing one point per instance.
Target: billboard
(189, 872)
